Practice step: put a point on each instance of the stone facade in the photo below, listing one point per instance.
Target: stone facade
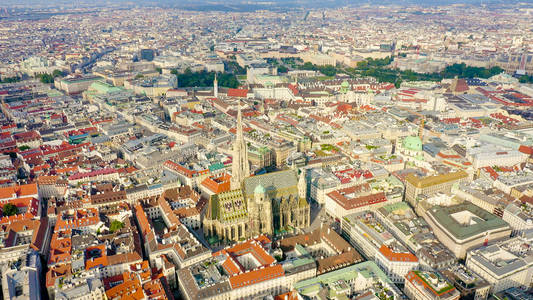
(263, 204)
(266, 204)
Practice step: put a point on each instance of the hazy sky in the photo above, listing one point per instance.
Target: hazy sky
(205, 3)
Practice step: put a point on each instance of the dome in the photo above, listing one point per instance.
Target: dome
(413, 143)
(259, 189)
(345, 87)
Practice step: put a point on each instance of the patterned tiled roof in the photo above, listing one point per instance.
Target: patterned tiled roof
(277, 180)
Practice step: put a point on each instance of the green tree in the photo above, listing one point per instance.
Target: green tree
(10, 79)
(526, 79)
(10, 210)
(115, 226)
(24, 147)
(283, 69)
(57, 73)
(46, 78)
(463, 71)
(205, 79)
(235, 68)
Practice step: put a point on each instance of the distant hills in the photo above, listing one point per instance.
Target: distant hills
(248, 5)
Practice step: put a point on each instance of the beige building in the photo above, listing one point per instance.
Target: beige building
(318, 59)
(430, 185)
(281, 152)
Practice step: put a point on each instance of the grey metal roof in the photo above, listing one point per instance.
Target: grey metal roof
(500, 268)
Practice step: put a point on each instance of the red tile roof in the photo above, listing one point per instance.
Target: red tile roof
(397, 256)
(347, 202)
(237, 93)
(218, 184)
(104, 171)
(18, 191)
(256, 276)
(129, 289)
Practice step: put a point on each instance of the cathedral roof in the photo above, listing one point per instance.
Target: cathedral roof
(275, 180)
(228, 206)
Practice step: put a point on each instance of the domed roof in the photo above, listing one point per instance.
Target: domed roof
(413, 143)
(259, 189)
(345, 84)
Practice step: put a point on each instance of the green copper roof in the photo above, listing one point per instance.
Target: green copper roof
(482, 222)
(366, 269)
(216, 166)
(395, 206)
(259, 189)
(412, 143)
(104, 88)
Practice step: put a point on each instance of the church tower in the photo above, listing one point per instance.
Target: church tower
(240, 168)
(302, 186)
(215, 87)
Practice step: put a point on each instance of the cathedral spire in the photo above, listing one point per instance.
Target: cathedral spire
(240, 168)
(302, 185)
(239, 123)
(215, 87)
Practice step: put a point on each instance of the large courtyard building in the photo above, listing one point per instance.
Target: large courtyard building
(463, 227)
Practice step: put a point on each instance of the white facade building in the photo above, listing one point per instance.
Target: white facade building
(504, 265)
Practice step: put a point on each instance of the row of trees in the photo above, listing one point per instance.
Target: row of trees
(49, 78)
(328, 70)
(374, 63)
(379, 69)
(44, 78)
(10, 79)
(464, 71)
(203, 78)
